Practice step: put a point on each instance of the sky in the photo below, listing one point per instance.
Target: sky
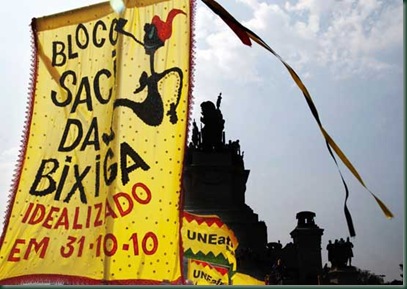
(349, 55)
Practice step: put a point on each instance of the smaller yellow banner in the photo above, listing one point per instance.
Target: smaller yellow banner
(244, 279)
(203, 273)
(208, 235)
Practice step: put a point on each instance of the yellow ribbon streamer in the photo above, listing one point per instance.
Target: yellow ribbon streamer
(244, 34)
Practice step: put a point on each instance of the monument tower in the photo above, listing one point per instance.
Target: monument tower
(215, 180)
(307, 242)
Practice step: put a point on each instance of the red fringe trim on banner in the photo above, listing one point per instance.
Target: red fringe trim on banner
(56, 279)
(189, 116)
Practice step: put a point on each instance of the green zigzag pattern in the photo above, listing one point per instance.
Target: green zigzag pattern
(210, 257)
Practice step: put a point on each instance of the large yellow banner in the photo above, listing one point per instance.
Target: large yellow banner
(97, 195)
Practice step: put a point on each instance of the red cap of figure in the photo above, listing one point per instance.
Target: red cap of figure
(164, 29)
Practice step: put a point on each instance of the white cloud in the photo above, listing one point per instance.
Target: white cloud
(204, 16)
(8, 160)
(221, 51)
(314, 6)
(387, 30)
(348, 36)
(358, 34)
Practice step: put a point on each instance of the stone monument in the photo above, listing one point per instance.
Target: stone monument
(340, 254)
(215, 182)
(307, 242)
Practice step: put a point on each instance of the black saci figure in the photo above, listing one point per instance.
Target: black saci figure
(151, 110)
